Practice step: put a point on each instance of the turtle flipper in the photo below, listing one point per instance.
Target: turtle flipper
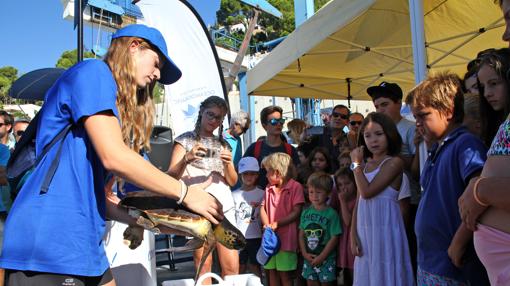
(229, 236)
(209, 246)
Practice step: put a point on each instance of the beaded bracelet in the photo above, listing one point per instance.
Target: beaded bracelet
(475, 192)
(184, 192)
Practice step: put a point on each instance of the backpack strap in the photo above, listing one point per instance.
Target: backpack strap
(258, 147)
(54, 164)
(288, 149)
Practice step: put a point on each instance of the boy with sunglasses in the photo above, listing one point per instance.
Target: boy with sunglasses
(272, 122)
(319, 229)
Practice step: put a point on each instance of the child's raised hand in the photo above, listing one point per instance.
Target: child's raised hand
(357, 154)
(226, 156)
(343, 193)
(196, 153)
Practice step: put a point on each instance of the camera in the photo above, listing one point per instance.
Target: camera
(209, 153)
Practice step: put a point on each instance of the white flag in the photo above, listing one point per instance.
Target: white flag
(191, 48)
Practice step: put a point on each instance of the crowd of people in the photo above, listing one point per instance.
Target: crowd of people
(377, 197)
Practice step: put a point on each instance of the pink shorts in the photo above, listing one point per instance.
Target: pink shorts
(493, 249)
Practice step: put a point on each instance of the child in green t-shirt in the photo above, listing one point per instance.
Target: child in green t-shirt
(318, 232)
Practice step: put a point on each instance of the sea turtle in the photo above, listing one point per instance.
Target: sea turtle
(152, 210)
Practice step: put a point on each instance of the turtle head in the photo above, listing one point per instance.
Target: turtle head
(229, 236)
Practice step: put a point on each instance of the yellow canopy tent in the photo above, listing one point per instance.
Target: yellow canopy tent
(369, 41)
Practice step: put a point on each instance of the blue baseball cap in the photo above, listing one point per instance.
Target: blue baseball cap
(170, 73)
(269, 246)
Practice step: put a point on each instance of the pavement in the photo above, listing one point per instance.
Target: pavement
(182, 266)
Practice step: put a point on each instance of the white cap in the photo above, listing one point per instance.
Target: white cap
(248, 164)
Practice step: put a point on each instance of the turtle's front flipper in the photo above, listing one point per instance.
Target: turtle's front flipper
(209, 246)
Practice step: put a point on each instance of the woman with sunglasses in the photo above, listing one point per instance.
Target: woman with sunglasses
(485, 204)
(199, 155)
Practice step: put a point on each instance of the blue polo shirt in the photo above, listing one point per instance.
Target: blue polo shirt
(61, 231)
(446, 174)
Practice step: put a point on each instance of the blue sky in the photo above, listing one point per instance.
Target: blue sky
(34, 34)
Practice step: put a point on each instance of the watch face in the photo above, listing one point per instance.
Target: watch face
(354, 166)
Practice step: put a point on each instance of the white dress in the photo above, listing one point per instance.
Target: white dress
(385, 260)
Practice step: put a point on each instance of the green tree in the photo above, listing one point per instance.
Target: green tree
(8, 75)
(70, 58)
(234, 12)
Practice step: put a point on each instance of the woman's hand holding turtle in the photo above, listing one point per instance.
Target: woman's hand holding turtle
(202, 203)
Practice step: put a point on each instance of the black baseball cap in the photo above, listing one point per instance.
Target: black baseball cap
(385, 89)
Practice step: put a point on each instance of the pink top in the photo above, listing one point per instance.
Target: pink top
(345, 258)
(280, 205)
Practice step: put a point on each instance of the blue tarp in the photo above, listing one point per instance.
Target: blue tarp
(107, 5)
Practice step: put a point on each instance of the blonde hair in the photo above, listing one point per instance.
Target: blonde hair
(442, 92)
(280, 162)
(135, 106)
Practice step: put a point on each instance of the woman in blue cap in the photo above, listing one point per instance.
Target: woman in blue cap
(55, 237)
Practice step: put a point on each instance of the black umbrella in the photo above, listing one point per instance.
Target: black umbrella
(33, 85)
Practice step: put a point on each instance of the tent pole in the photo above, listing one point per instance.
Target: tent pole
(303, 9)
(349, 96)
(79, 31)
(418, 38)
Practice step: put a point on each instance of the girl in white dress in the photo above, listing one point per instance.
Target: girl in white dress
(378, 237)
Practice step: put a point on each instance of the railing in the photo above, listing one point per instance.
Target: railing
(224, 39)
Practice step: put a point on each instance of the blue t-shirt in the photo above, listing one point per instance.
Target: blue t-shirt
(61, 231)
(445, 176)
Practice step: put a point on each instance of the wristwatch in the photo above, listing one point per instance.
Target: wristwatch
(355, 165)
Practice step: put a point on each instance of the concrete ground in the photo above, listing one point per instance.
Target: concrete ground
(183, 267)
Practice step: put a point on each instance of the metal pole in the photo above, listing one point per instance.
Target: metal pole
(303, 9)
(418, 38)
(80, 28)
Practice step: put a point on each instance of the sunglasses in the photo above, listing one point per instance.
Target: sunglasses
(313, 232)
(343, 116)
(3, 124)
(20, 132)
(275, 121)
(212, 116)
(355, 122)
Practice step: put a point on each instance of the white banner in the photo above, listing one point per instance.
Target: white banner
(191, 49)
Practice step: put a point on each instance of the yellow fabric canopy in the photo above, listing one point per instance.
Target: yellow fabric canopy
(368, 41)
